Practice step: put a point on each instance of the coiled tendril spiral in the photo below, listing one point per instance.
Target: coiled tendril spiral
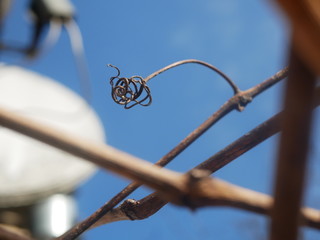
(130, 91)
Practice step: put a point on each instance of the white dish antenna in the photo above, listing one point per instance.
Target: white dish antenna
(31, 170)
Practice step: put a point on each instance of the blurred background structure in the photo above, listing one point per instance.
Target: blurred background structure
(37, 182)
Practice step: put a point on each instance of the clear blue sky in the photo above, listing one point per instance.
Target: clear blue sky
(247, 40)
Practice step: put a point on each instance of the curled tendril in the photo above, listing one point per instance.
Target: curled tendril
(129, 91)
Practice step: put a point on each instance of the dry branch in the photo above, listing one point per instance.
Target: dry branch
(238, 102)
(121, 166)
(177, 188)
(102, 155)
(191, 189)
(141, 209)
(205, 191)
(110, 158)
(146, 207)
(132, 209)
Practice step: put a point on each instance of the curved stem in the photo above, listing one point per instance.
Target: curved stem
(231, 83)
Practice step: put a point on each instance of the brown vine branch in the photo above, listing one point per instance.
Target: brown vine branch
(237, 102)
(149, 205)
(146, 207)
(225, 194)
(193, 189)
(132, 209)
(205, 191)
(102, 155)
(214, 192)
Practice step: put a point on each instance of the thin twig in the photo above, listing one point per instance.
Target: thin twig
(231, 83)
(231, 104)
(132, 209)
(242, 98)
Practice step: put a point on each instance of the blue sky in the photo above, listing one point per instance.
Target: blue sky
(247, 40)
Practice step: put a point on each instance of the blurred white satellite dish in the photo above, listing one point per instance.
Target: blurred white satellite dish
(31, 170)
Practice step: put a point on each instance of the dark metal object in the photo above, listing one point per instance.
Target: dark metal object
(129, 91)
(45, 11)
